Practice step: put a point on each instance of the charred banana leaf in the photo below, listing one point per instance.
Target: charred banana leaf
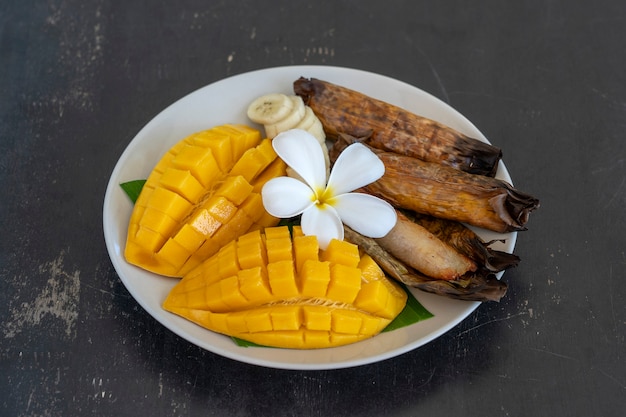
(440, 191)
(467, 242)
(475, 286)
(480, 285)
(394, 129)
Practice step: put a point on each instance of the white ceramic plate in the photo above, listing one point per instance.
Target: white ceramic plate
(226, 101)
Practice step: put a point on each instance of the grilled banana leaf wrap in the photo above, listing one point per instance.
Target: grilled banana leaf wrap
(465, 241)
(440, 191)
(391, 128)
(480, 285)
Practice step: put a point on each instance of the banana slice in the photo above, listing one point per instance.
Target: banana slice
(290, 121)
(326, 157)
(308, 119)
(270, 108)
(317, 130)
(279, 112)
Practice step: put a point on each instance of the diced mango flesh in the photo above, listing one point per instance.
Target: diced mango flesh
(195, 201)
(277, 290)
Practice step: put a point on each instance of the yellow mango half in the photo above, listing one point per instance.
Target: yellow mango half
(277, 288)
(202, 194)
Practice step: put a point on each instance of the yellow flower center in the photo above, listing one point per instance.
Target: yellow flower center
(323, 197)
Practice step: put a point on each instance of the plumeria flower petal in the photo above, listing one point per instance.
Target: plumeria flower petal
(365, 214)
(303, 153)
(323, 222)
(325, 205)
(286, 197)
(355, 167)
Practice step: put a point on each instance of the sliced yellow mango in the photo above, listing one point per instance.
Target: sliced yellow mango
(183, 183)
(254, 160)
(201, 195)
(273, 289)
(314, 278)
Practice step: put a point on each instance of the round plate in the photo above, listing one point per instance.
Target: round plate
(226, 101)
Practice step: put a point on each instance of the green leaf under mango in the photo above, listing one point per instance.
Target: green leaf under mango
(133, 189)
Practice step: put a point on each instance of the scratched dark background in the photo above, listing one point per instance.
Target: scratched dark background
(544, 80)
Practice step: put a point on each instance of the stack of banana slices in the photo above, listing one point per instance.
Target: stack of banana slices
(279, 112)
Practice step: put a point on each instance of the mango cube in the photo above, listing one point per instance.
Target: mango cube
(345, 283)
(182, 183)
(235, 188)
(200, 162)
(282, 279)
(342, 252)
(314, 278)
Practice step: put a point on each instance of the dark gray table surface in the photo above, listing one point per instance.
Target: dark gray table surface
(544, 80)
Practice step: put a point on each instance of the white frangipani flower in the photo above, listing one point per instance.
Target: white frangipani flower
(325, 205)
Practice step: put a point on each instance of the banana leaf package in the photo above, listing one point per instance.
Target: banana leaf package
(448, 193)
(391, 128)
